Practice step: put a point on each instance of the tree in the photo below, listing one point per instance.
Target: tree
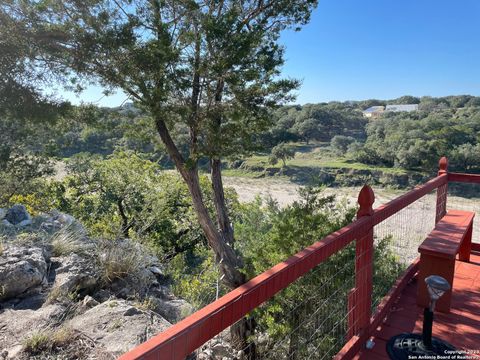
(340, 143)
(281, 152)
(466, 157)
(211, 66)
(308, 129)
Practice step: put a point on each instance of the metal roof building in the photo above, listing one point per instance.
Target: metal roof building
(399, 108)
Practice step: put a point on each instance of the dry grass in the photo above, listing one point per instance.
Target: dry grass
(119, 260)
(48, 341)
(37, 342)
(58, 294)
(67, 240)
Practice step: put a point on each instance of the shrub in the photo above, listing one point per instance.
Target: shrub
(339, 144)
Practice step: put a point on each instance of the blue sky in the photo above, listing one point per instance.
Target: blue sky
(353, 50)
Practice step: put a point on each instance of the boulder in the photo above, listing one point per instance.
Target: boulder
(3, 212)
(21, 269)
(17, 214)
(89, 301)
(57, 220)
(118, 326)
(6, 223)
(18, 325)
(75, 274)
(172, 310)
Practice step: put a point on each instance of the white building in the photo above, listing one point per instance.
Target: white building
(373, 111)
(402, 108)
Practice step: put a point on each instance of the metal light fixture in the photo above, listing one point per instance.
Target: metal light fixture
(408, 345)
(437, 286)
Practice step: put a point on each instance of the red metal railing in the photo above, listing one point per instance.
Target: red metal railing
(183, 338)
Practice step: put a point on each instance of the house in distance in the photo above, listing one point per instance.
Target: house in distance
(374, 111)
(402, 108)
(377, 111)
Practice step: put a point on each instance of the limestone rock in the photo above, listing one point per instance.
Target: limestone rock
(57, 220)
(89, 301)
(21, 269)
(118, 326)
(17, 214)
(18, 325)
(173, 310)
(75, 274)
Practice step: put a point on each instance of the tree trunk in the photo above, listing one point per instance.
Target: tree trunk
(221, 241)
(245, 327)
(219, 200)
(228, 261)
(125, 224)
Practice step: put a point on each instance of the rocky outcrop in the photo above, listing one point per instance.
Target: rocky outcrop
(21, 269)
(75, 274)
(173, 310)
(111, 295)
(18, 215)
(18, 325)
(118, 326)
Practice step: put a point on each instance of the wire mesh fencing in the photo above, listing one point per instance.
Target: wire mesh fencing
(308, 319)
(397, 240)
(466, 197)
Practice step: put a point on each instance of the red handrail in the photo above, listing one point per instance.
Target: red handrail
(465, 178)
(191, 333)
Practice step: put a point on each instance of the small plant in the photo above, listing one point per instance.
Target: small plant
(62, 337)
(114, 325)
(119, 260)
(27, 238)
(59, 294)
(66, 241)
(47, 341)
(112, 304)
(37, 342)
(147, 304)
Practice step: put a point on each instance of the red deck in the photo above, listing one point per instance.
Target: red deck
(461, 327)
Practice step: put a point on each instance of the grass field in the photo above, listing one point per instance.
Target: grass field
(307, 156)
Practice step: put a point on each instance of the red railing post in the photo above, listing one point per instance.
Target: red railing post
(360, 298)
(441, 208)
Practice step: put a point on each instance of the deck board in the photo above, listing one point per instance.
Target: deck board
(460, 327)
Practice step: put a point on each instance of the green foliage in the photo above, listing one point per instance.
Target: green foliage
(320, 122)
(125, 195)
(281, 152)
(48, 341)
(37, 343)
(23, 155)
(196, 277)
(340, 144)
(466, 157)
(415, 141)
(303, 315)
(146, 50)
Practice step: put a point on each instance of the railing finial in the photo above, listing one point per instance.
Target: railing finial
(366, 198)
(443, 165)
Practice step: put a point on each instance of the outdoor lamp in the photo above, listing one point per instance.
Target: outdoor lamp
(408, 345)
